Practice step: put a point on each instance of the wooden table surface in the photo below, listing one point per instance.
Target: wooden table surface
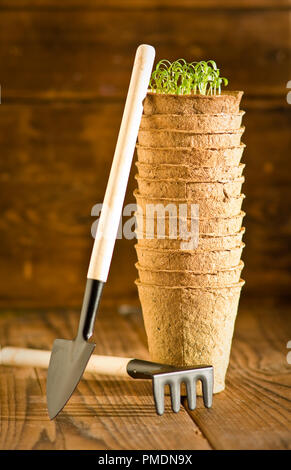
(104, 413)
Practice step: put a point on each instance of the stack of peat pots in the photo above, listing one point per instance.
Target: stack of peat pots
(189, 151)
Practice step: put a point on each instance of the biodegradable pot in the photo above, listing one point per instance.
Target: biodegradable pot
(203, 123)
(192, 147)
(229, 156)
(207, 243)
(218, 227)
(190, 260)
(189, 172)
(188, 326)
(174, 138)
(176, 278)
(227, 102)
(208, 208)
(189, 190)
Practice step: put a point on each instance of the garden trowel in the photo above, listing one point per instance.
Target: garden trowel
(69, 358)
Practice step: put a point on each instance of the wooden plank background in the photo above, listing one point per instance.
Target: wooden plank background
(64, 75)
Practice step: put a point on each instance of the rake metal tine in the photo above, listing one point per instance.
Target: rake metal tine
(207, 387)
(163, 374)
(175, 395)
(158, 392)
(191, 393)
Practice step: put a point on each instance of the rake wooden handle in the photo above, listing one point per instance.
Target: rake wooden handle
(23, 357)
(117, 183)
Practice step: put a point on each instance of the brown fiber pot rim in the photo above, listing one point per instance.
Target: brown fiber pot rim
(233, 268)
(189, 149)
(204, 236)
(237, 285)
(235, 93)
(154, 198)
(192, 167)
(190, 252)
(241, 112)
(179, 131)
(239, 179)
(241, 214)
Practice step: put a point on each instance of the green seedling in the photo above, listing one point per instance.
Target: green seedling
(183, 78)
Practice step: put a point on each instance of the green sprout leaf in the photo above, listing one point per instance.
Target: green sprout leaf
(182, 78)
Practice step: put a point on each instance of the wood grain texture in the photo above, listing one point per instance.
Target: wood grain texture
(102, 414)
(56, 167)
(145, 4)
(57, 161)
(254, 412)
(268, 190)
(83, 55)
(64, 79)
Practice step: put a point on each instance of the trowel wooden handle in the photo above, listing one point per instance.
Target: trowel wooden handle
(10, 356)
(103, 365)
(117, 183)
(108, 365)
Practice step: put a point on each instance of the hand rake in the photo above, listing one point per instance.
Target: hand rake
(160, 374)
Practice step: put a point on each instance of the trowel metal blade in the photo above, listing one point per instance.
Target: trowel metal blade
(67, 364)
